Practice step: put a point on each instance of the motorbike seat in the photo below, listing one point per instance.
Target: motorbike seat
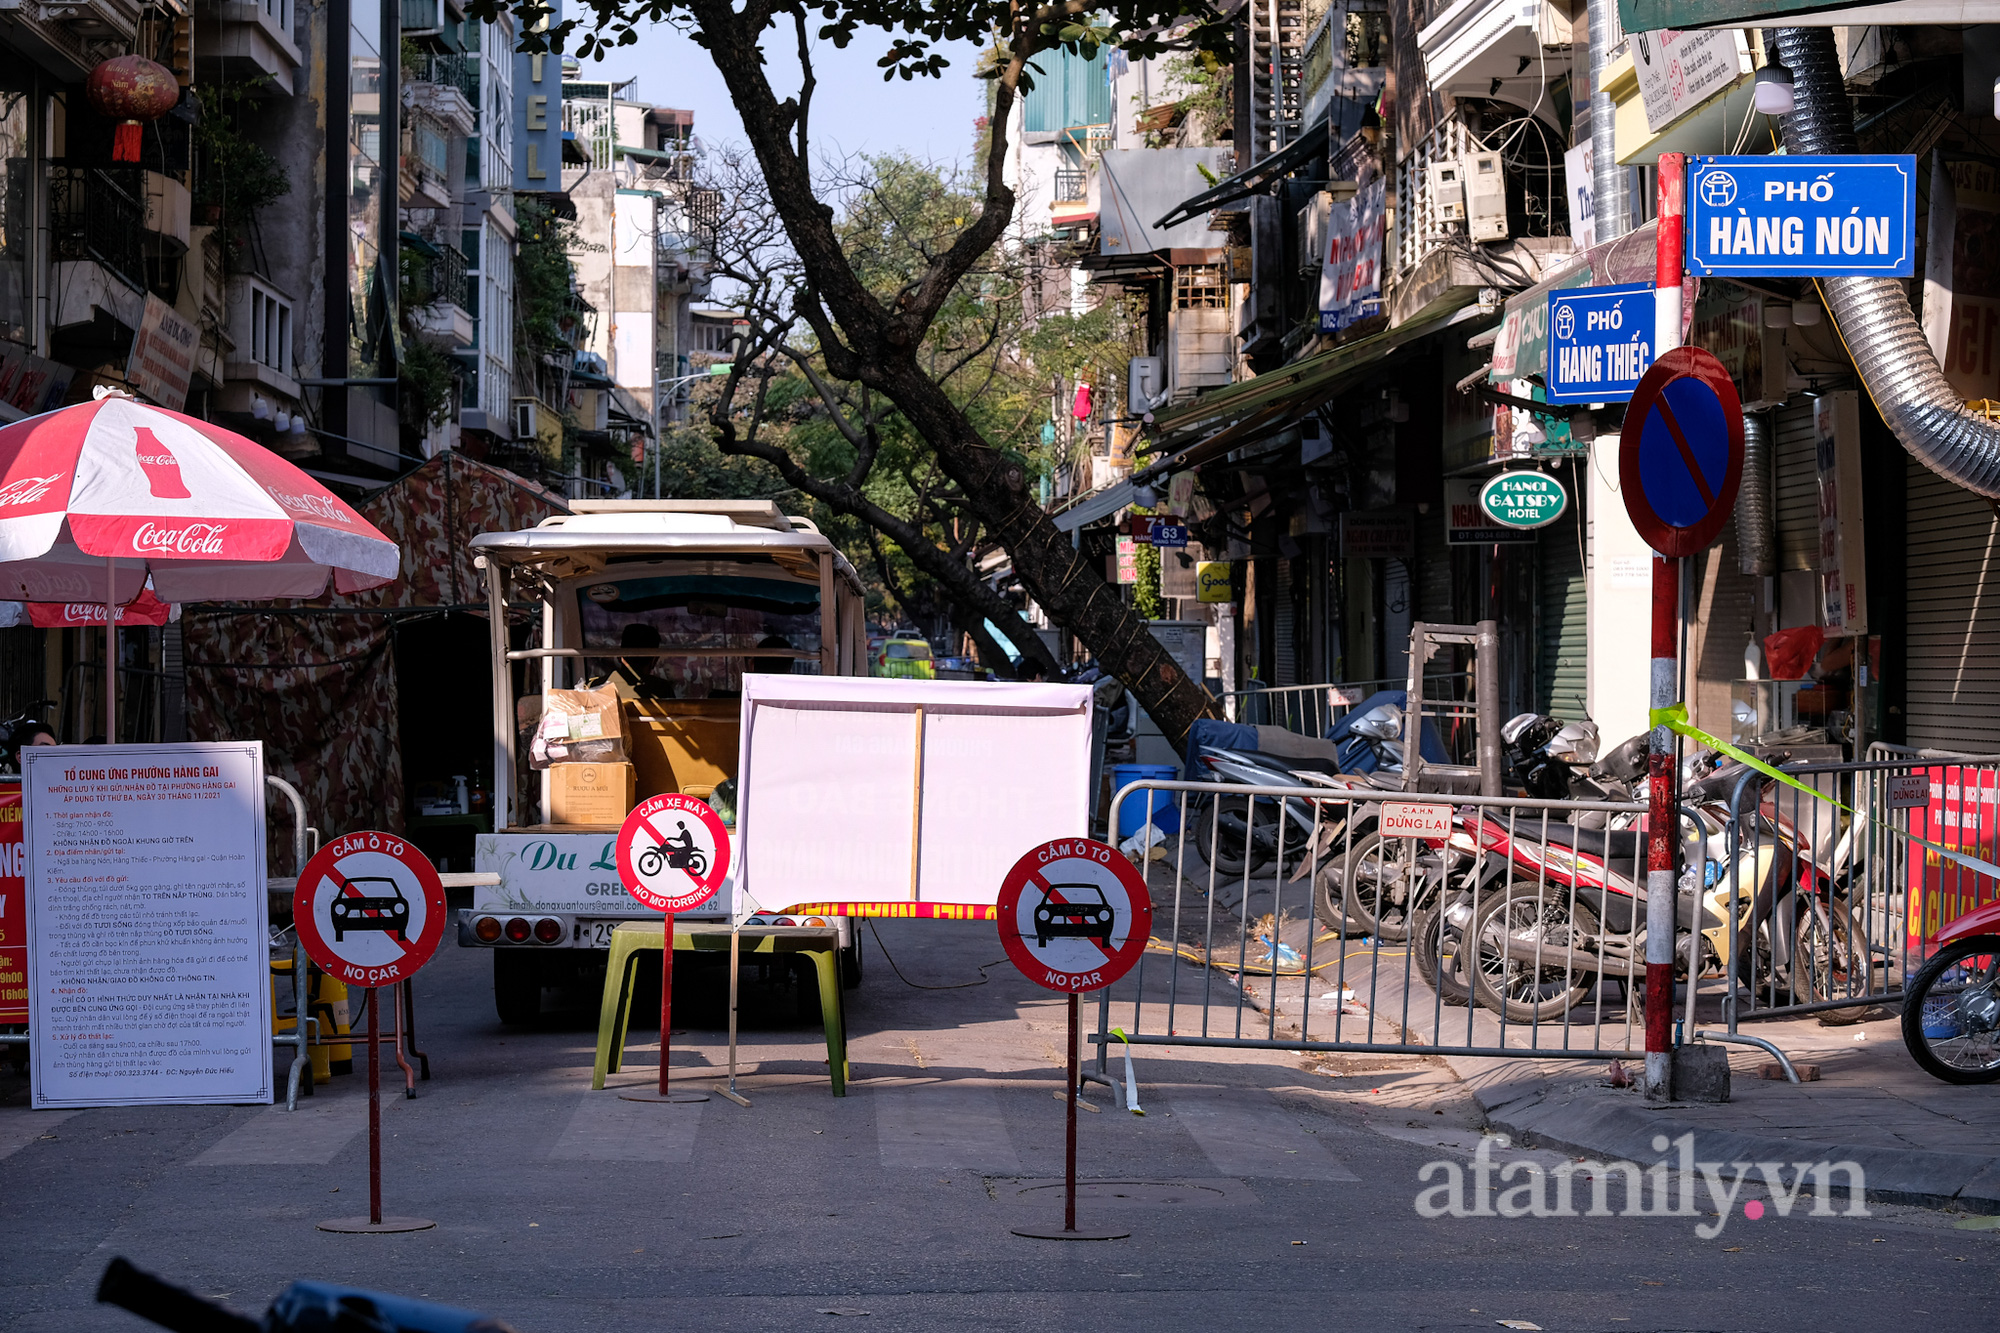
(1620, 846)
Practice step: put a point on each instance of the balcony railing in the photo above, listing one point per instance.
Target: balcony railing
(441, 281)
(98, 214)
(1072, 187)
(460, 72)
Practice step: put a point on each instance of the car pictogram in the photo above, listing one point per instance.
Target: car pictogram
(1056, 917)
(387, 912)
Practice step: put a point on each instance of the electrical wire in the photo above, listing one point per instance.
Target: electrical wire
(918, 985)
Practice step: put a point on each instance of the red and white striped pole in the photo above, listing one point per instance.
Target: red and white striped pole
(1663, 821)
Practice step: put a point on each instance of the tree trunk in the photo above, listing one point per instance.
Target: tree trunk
(877, 343)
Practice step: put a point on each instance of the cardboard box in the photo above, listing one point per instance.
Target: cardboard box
(590, 793)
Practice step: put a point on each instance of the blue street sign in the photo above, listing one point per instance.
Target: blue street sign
(1600, 342)
(1802, 217)
(1168, 534)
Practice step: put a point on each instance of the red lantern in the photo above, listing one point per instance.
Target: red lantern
(130, 89)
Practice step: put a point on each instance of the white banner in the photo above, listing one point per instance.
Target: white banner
(149, 978)
(1350, 279)
(845, 781)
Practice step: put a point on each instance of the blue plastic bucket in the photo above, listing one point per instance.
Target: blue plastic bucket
(1165, 805)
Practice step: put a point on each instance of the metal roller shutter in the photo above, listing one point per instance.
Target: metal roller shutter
(1285, 670)
(1432, 574)
(1952, 553)
(1798, 487)
(1561, 646)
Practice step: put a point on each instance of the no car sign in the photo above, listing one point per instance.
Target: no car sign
(1074, 915)
(369, 909)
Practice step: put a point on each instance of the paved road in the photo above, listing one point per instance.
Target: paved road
(1262, 1191)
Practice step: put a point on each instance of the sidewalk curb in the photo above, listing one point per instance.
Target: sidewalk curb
(1523, 1103)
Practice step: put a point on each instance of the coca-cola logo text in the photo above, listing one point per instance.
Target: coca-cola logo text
(27, 490)
(194, 539)
(315, 506)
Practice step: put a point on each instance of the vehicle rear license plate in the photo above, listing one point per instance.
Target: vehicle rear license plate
(594, 934)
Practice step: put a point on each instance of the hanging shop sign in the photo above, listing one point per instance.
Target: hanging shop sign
(1523, 501)
(1802, 217)
(1213, 582)
(1600, 342)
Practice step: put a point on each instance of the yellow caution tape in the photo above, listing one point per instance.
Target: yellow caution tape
(1674, 719)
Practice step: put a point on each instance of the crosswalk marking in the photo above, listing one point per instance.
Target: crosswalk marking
(1245, 1132)
(944, 1125)
(605, 1128)
(313, 1135)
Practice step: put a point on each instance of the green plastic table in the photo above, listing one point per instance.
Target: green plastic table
(630, 939)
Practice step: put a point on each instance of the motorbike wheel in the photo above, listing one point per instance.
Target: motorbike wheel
(1830, 960)
(1434, 951)
(1227, 833)
(1949, 1011)
(697, 865)
(649, 863)
(1379, 881)
(1523, 991)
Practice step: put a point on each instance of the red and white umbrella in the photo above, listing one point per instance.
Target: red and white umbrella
(97, 497)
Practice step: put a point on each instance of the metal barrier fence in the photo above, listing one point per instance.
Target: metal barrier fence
(1319, 927)
(1854, 889)
(1310, 710)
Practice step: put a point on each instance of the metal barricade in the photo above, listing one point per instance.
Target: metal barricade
(305, 841)
(1301, 918)
(1311, 710)
(1849, 887)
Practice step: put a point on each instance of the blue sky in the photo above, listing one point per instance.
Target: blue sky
(853, 109)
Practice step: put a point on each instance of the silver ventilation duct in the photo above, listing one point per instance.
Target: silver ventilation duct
(1609, 182)
(1756, 500)
(1873, 314)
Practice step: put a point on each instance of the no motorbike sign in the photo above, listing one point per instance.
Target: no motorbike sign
(370, 909)
(673, 852)
(1074, 915)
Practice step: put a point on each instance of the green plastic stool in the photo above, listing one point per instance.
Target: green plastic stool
(632, 938)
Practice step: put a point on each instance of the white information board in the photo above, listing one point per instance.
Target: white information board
(148, 939)
(888, 797)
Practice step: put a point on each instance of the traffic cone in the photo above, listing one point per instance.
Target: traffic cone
(329, 1005)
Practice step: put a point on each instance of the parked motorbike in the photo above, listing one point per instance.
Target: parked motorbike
(1239, 835)
(1951, 1007)
(1571, 911)
(302, 1307)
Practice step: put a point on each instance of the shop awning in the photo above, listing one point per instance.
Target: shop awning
(1648, 15)
(1091, 508)
(1244, 413)
(1301, 151)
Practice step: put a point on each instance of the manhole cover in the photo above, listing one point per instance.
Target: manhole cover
(1154, 1192)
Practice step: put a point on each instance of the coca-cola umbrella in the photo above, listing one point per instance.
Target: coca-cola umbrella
(96, 497)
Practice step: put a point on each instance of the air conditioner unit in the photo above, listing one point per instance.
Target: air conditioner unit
(1447, 189)
(524, 419)
(1312, 231)
(1485, 197)
(1145, 384)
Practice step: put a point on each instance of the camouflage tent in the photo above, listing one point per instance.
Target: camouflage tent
(316, 680)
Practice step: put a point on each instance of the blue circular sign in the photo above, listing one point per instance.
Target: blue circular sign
(1680, 456)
